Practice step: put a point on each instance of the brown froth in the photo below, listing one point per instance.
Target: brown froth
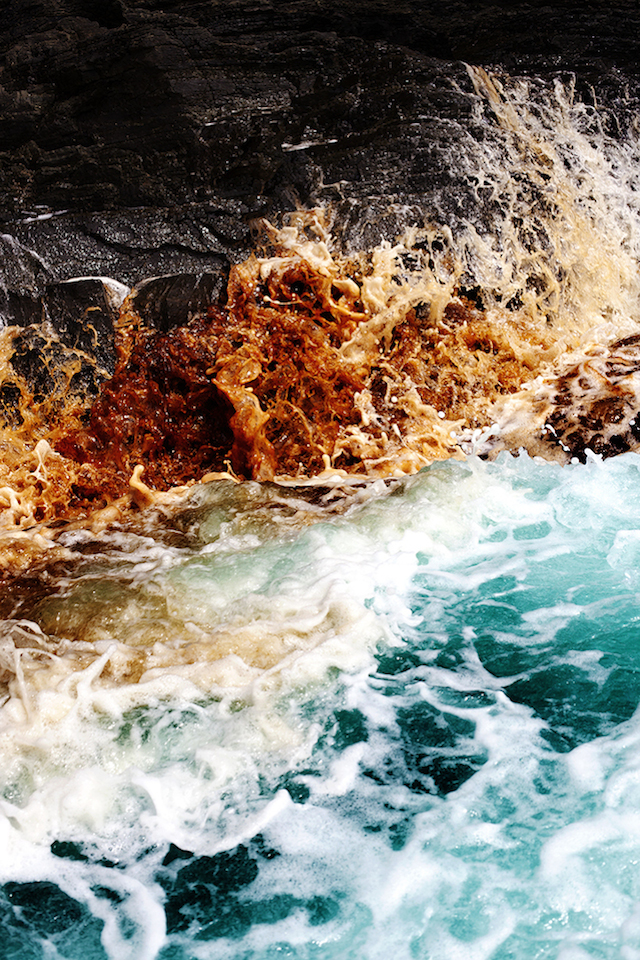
(313, 363)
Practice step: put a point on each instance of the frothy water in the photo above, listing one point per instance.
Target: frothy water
(353, 717)
(514, 321)
(436, 752)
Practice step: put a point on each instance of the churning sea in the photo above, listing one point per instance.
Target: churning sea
(383, 720)
(434, 753)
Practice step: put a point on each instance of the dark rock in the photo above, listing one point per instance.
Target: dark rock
(23, 276)
(134, 244)
(32, 358)
(68, 352)
(49, 371)
(19, 309)
(10, 402)
(166, 302)
(175, 123)
(83, 313)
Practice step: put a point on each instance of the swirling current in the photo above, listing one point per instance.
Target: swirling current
(416, 730)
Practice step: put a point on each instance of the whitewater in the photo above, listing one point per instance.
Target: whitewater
(422, 738)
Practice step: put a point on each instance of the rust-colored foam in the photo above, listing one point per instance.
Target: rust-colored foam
(160, 409)
(266, 386)
(314, 363)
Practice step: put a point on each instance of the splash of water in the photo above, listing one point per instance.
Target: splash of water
(409, 724)
(378, 362)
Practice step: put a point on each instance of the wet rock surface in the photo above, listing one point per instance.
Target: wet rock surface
(64, 349)
(140, 138)
(171, 301)
(83, 316)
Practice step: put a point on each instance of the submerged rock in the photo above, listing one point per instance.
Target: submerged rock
(62, 352)
(593, 405)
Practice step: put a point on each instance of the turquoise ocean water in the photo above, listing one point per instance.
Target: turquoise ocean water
(439, 757)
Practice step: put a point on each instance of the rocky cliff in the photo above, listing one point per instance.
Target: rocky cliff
(141, 138)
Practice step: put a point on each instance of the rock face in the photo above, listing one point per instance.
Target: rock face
(167, 302)
(140, 138)
(64, 346)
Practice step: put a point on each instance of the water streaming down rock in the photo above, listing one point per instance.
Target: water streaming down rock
(314, 356)
(269, 690)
